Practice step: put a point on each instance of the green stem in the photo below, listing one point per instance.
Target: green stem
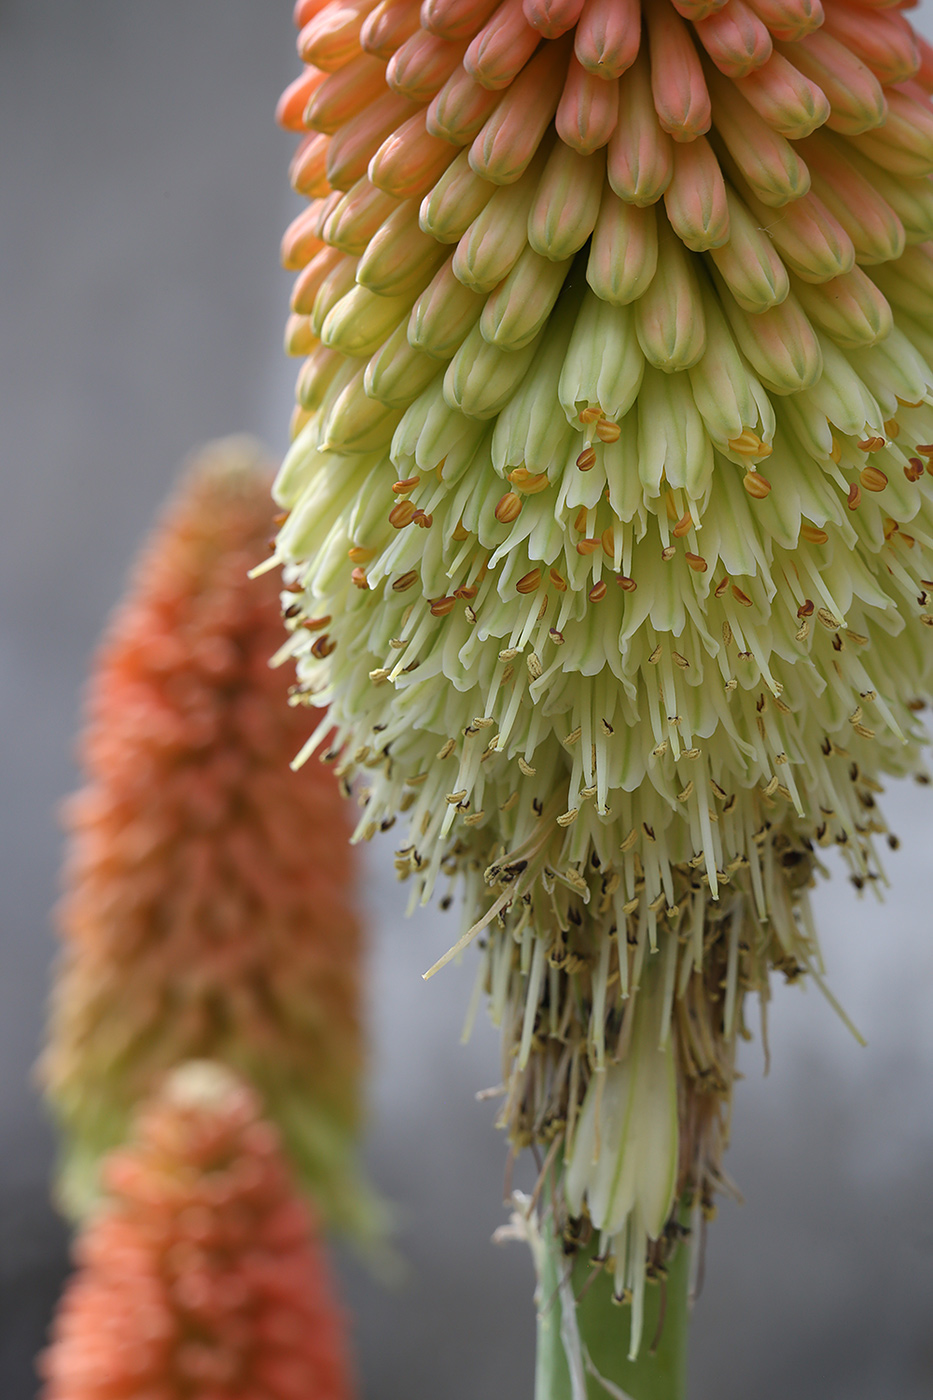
(660, 1371)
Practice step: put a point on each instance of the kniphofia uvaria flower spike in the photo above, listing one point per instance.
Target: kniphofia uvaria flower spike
(201, 1276)
(610, 520)
(208, 908)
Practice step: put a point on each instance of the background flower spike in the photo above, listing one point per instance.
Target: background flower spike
(202, 1269)
(206, 910)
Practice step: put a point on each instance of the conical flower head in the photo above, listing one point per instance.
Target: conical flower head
(201, 1276)
(611, 480)
(208, 907)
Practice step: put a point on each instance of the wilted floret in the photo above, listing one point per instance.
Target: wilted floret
(201, 1277)
(611, 499)
(208, 908)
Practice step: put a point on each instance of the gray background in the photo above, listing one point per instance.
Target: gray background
(142, 198)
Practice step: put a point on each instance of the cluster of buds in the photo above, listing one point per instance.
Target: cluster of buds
(208, 908)
(201, 1275)
(626, 304)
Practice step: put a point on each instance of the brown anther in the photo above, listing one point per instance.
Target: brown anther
(871, 444)
(579, 523)
(587, 546)
(509, 508)
(358, 555)
(591, 414)
(697, 563)
(628, 585)
(756, 485)
(608, 431)
(323, 646)
(889, 526)
(925, 449)
(806, 608)
(558, 580)
(293, 587)
(835, 452)
(608, 541)
(423, 521)
(813, 534)
(402, 514)
(528, 482)
(914, 469)
(530, 582)
(315, 624)
(683, 526)
(281, 517)
(598, 591)
(460, 534)
(402, 488)
(293, 611)
(749, 444)
(721, 587)
(405, 581)
(359, 579)
(587, 459)
(556, 637)
(873, 478)
(854, 498)
(440, 607)
(741, 597)
(466, 593)
(667, 553)
(892, 427)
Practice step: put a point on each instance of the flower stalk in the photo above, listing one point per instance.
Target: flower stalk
(569, 1297)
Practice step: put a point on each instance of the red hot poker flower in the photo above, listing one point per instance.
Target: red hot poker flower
(206, 911)
(200, 1278)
